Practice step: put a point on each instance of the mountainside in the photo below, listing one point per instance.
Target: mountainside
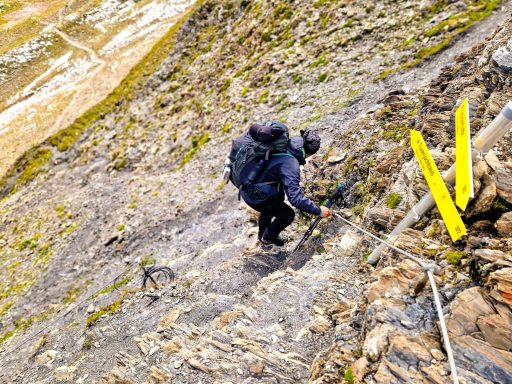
(58, 58)
(136, 181)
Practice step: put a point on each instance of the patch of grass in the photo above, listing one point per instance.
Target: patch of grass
(227, 127)
(36, 160)
(6, 307)
(6, 336)
(125, 91)
(322, 77)
(147, 260)
(225, 85)
(393, 200)
(111, 287)
(70, 229)
(282, 12)
(322, 60)
(197, 143)
(263, 98)
(44, 255)
(348, 377)
(107, 310)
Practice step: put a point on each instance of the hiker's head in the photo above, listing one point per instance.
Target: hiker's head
(311, 141)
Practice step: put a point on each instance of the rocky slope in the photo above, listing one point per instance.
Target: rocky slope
(135, 182)
(58, 58)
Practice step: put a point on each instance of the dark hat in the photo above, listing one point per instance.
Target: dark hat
(311, 141)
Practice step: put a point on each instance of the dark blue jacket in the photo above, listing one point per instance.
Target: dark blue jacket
(283, 169)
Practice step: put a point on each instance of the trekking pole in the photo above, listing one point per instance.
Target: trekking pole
(335, 198)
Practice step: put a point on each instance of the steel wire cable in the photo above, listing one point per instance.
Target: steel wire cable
(429, 269)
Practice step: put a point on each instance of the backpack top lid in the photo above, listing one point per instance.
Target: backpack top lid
(271, 130)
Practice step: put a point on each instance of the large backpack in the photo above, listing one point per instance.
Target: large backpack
(251, 151)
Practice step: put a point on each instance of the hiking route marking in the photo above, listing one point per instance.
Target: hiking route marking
(436, 184)
(463, 160)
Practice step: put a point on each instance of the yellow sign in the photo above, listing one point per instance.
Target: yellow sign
(436, 184)
(463, 161)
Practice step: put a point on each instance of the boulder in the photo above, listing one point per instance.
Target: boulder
(502, 58)
(385, 217)
(497, 330)
(485, 198)
(467, 307)
(377, 341)
(501, 282)
(491, 255)
(504, 181)
(504, 224)
(483, 359)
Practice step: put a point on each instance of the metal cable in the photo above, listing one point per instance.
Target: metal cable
(429, 269)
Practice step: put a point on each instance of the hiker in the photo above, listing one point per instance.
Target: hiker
(280, 176)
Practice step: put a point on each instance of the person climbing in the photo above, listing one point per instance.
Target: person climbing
(280, 176)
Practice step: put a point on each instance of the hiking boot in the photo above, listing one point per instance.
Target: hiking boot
(279, 241)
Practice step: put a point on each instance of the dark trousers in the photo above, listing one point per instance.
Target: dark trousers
(282, 213)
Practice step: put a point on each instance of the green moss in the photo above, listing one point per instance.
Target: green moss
(384, 74)
(263, 98)
(322, 60)
(111, 287)
(147, 260)
(31, 168)
(27, 243)
(433, 230)
(227, 127)
(121, 163)
(197, 143)
(225, 85)
(348, 377)
(72, 294)
(393, 200)
(500, 205)
(121, 227)
(322, 77)
(349, 165)
(6, 307)
(454, 257)
(44, 255)
(70, 229)
(107, 310)
(282, 12)
(6, 336)
(61, 211)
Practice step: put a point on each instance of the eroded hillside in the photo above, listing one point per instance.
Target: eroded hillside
(136, 181)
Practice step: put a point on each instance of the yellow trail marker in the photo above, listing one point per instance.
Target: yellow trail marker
(438, 188)
(463, 161)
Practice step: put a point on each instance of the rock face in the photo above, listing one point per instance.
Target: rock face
(401, 342)
(504, 224)
(503, 57)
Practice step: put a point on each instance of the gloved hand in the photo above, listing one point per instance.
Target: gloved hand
(326, 212)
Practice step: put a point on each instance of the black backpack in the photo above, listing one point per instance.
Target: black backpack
(251, 151)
